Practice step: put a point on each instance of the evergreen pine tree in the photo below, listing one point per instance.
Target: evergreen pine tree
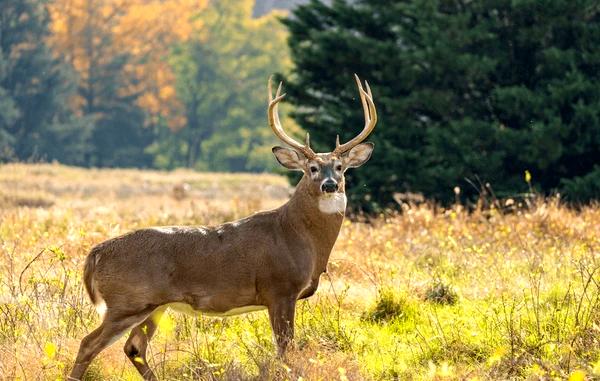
(479, 90)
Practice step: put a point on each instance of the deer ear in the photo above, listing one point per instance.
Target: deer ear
(358, 155)
(289, 158)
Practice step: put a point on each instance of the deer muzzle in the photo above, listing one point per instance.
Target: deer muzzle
(329, 186)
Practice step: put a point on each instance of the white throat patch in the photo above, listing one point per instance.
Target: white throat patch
(332, 203)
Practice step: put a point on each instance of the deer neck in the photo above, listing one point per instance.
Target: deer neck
(303, 214)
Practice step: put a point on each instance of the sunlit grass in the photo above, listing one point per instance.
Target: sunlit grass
(428, 294)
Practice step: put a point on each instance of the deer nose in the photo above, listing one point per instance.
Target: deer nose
(329, 186)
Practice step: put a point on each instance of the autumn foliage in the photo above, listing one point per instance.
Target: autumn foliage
(143, 83)
(92, 33)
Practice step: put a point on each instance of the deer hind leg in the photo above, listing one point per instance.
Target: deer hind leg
(137, 343)
(281, 315)
(108, 332)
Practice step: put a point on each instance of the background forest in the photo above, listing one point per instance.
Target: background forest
(471, 95)
(145, 83)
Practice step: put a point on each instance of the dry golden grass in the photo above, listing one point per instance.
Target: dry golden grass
(428, 294)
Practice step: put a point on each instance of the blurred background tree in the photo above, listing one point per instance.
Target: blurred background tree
(221, 73)
(35, 89)
(119, 49)
(479, 90)
(171, 83)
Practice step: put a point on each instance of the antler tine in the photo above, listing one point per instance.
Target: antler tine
(275, 110)
(275, 124)
(370, 96)
(362, 97)
(271, 87)
(366, 98)
(368, 89)
(373, 111)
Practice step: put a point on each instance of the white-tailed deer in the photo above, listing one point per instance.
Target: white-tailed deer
(268, 260)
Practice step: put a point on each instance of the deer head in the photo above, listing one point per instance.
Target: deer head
(325, 170)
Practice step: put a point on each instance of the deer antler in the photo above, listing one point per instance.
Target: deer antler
(278, 130)
(366, 99)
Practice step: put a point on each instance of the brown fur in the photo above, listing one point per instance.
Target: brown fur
(259, 260)
(89, 269)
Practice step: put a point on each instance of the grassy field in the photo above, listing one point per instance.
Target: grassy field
(427, 294)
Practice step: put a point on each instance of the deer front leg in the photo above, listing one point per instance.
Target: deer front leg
(281, 315)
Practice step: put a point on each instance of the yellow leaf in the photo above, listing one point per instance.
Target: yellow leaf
(138, 359)
(167, 92)
(527, 176)
(50, 350)
(446, 370)
(578, 375)
(537, 370)
(497, 355)
(166, 325)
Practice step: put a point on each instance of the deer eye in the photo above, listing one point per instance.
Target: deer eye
(338, 167)
(313, 169)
